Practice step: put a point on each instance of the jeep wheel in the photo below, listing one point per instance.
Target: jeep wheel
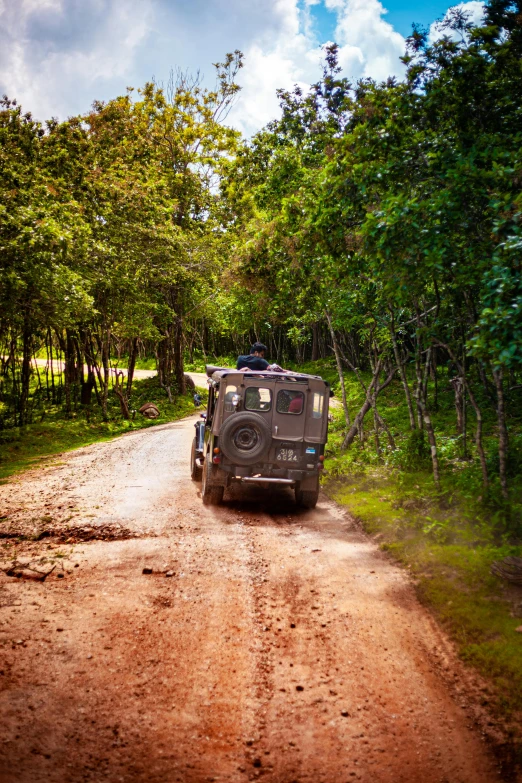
(307, 498)
(195, 470)
(211, 494)
(245, 438)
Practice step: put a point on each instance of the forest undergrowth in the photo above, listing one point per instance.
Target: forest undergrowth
(53, 432)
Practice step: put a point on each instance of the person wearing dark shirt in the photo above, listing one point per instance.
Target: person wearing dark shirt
(255, 360)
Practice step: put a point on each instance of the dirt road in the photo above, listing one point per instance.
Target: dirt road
(266, 644)
(199, 378)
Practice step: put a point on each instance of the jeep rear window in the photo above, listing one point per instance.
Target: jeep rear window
(258, 399)
(317, 406)
(290, 402)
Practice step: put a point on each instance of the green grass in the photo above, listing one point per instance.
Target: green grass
(198, 362)
(147, 363)
(38, 443)
(450, 556)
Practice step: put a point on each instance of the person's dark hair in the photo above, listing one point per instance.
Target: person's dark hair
(258, 347)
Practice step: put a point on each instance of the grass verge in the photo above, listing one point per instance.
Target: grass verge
(450, 559)
(449, 553)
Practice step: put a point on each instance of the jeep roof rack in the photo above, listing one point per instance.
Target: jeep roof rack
(221, 372)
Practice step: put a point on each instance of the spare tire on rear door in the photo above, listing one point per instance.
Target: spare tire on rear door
(245, 438)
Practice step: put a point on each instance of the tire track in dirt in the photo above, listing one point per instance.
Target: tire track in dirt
(283, 646)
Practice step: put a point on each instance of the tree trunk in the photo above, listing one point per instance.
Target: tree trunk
(356, 426)
(71, 370)
(426, 418)
(418, 389)
(377, 415)
(118, 390)
(164, 356)
(66, 371)
(179, 373)
(486, 383)
(47, 368)
(458, 389)
(376, 433)
(383, 424)
(339, 368)
(92, 366)
(402, 374)
(133, 353)
(26, 372)
(478, 416)
(498, 375)
(373, 391)
(104, 348)
(51, 349)
(315, 342)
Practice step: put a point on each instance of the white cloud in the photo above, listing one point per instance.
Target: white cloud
(475, 12)
(60, 55)
(59, 51)
(369, 47)
(272, 62)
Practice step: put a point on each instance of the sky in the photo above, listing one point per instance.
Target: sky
(58, 56)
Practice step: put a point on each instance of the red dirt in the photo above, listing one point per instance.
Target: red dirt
(284, 647)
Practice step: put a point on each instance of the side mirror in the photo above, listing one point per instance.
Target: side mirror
(203, 415)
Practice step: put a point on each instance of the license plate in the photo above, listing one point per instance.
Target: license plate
(287, 454)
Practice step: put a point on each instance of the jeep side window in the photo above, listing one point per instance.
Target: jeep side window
(257, 399)
(317, 406)
(290, 401)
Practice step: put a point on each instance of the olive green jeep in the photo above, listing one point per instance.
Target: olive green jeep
(261, 427)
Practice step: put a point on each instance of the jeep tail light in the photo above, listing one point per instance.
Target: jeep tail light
(216, 459)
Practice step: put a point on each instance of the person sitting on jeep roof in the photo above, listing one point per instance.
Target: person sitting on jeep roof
(255, 361)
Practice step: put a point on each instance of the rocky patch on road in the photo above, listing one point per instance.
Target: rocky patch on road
(74, 535)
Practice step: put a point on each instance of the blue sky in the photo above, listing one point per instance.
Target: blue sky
(401, 15)
(58, 56)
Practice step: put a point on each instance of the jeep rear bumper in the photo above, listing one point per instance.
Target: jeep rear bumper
(265, 480)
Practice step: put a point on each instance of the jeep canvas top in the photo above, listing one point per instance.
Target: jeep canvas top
(261, 427)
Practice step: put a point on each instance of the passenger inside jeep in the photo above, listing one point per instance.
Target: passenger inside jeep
(290, 401)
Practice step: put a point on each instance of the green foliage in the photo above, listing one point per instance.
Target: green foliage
(449, 553)
(111, 229)
(389, 214)
(416, 453)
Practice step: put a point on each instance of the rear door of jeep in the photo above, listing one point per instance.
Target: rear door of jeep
(289, 420)
(246, 394)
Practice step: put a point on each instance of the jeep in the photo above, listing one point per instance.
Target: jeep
(264, 428)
